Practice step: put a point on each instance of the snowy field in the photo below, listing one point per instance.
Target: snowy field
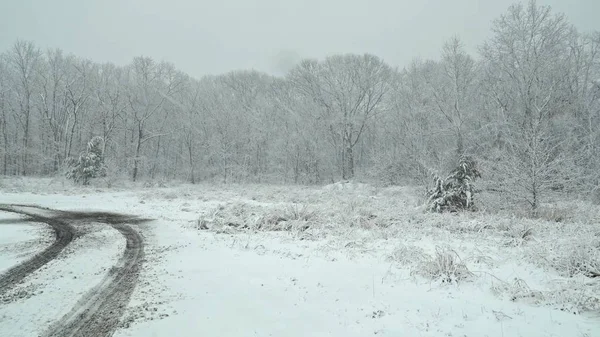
(339, 260)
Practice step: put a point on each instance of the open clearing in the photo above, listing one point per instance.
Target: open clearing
(340, 260)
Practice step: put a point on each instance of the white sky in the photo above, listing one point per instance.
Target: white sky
(210, 37)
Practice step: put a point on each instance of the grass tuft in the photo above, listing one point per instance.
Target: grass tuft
(445, 266)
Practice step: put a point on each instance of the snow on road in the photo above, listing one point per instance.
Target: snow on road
(196, 283)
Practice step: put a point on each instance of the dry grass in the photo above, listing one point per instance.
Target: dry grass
(575, 295)
(446, 266)
(518, 235)
(247, 217)
(517, 290)
(570, 257)
(552, 213)
(408, 255)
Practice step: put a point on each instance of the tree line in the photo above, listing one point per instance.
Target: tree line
(526, 106)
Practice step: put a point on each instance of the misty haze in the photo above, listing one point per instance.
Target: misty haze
(299, 168)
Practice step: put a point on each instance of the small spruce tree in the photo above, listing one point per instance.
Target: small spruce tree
(90, 163)
(456, 192)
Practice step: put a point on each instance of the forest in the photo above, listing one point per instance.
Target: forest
(526, 107)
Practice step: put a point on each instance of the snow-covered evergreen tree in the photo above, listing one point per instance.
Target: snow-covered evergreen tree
(455, 193)
(90, 163)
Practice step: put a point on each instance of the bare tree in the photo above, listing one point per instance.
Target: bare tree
(584, 101)
(302, 145)
(412, 140)
(53, 103)
(24, 60)
(349, 90)
(150, 85)
(249, 90)
(452, 88)
(77, 94)
(4, 98)
(527, 63)
(111, 99)
(230, 129)
(191, 124)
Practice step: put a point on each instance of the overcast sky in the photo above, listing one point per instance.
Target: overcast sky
(210, 37)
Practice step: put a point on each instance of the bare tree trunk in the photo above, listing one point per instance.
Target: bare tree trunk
(4, 137)
(25, 150)
(348, 163)
(137, 153)
(192, 178)
(153, 170)
(56, 149)
(72, 131)
(347, 156)
(297, 165)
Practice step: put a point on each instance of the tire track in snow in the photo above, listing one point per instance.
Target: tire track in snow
(64, 234)
(99, 312)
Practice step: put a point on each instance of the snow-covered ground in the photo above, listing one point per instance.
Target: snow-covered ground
(345, 260)
(20, 240)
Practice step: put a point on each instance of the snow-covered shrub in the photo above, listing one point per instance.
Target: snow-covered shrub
(446, 266)
(456, 192)
(90, 163)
